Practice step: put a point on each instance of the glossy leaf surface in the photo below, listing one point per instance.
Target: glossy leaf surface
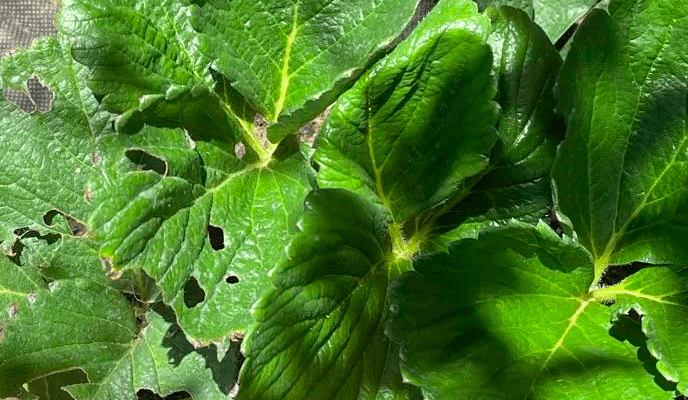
(67, 324)
(287, 57)
(554, 16)
(509, 316)
(192, 216)
(620, 172)
(660, 296)
(517, 182)
(46, 155)
(319, 332)
(145, 64)
(160, 359)
(414, 128)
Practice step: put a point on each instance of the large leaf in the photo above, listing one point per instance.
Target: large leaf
(620, 172)
(145, 63)
(517, 182)
(201, 222)
(660, 295)
(509, 316)
(46, 156)
(554, 16)
(79, 325)
(286, 56)
(67, 324)
(319, 332)
(162, 360)
(411, 130)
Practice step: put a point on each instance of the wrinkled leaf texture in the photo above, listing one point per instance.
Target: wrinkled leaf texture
(510, 316)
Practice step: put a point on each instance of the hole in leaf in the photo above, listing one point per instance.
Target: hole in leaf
(41, 95)
(77, 228)
(50, 216)
(20, 99)
(617, 273)
(146, 162)
(240, 150)
(554, 223)
(2, 331)
(146, 394)
(217, 237)
(628, 328)
(15, 250)
(232, 279)
(193, 293)
(36, 97)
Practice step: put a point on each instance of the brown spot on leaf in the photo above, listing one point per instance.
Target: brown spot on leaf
(114, 274)
(239, 150)
(14, 310)
(95, 157)
(31, 297)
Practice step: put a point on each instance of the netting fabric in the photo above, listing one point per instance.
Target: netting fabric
(22, 21)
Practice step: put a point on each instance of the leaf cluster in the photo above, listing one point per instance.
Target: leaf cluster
(454, 232)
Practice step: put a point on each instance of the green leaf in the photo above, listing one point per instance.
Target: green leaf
(46, 156)
(64, 325)
(622, 88)
(660, 295)
(63, 257)
(285, 56)
(554, 16)
(509, 316)
(162, 360)
(195, 218)
(517, 182)
(145, 64)
(411, 130)
(319, 332)
(50, 387)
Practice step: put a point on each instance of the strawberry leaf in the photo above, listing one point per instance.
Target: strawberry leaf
(510, 316)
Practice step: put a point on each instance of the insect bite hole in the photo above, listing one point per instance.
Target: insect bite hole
(193, 293)
(217, 237)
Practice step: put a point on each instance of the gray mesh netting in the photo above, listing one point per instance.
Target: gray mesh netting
(22, 21)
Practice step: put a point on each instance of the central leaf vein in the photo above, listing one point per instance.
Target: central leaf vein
(284, 82)
(559, 344)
